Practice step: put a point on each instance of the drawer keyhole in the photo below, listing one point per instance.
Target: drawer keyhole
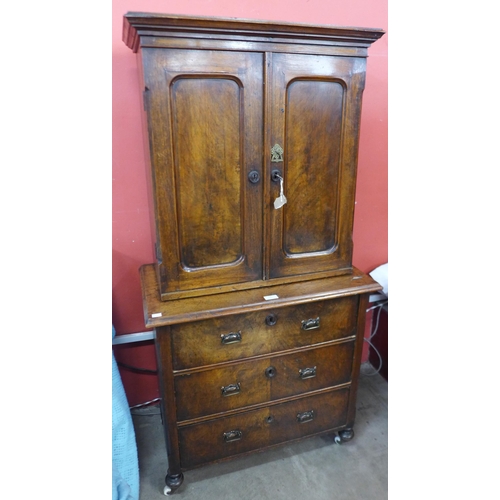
(270, 372)
(271, 319)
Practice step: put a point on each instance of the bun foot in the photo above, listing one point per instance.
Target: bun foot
(172, 482)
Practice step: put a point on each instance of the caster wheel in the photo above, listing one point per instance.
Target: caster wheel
(167, 490)
(338, 440)
(346, 435)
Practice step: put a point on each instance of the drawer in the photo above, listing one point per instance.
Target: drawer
(262, 332)
(246, 383)
(233, 435)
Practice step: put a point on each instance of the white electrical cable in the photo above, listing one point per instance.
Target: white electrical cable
(379, 357)
(380, 305)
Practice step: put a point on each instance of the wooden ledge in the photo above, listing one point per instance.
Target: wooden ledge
(161, 313)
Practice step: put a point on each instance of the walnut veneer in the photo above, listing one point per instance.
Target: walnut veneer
(258, 312)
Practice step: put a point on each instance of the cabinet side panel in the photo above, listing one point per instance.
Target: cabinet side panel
(168, 401)
(363, 304)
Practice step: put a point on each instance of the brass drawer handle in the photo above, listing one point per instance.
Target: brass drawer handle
(230, 338)
(230, 436)
(231, 389)
(310, 324)
(306, 416)
(307, 372)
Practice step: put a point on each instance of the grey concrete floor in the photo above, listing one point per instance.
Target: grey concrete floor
(315, 468)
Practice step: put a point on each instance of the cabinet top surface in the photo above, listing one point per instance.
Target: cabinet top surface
(159, 313)
(137, 24)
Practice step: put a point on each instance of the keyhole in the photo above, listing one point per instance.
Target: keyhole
(271, 319)
(254, 177)
(275, 175)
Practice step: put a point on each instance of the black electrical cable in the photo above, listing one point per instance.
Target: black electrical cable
(137, 370)
(147, 403)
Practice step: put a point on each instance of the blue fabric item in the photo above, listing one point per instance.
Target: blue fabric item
(125, 461)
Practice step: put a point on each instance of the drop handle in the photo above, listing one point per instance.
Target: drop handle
(310, 324)
(231, 389)
(234, 435)
(307, 372)
(230, 338)
(304, 417)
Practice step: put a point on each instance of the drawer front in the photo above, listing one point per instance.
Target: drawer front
(252, 382)
(233, 435)
(262, 332)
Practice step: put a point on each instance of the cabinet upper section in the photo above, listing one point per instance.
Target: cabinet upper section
(141, 29)
(253, 131)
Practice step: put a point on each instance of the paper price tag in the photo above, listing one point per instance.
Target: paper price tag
(270, 297)
(281, 199)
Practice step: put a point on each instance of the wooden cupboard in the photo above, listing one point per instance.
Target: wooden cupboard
(230, 107)
(252, 134)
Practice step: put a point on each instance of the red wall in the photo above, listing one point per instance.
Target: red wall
(132, 242)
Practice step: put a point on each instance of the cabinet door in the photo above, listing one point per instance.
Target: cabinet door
(315, 108)
(205, 130)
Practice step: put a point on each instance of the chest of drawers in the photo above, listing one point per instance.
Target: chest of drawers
(243, 371)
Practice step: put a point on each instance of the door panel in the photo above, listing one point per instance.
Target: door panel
(315, 110)
(206, 127)
(207, 172)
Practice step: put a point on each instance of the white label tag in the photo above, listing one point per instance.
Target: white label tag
(156, 315)
(281, 199)
(270, 297)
